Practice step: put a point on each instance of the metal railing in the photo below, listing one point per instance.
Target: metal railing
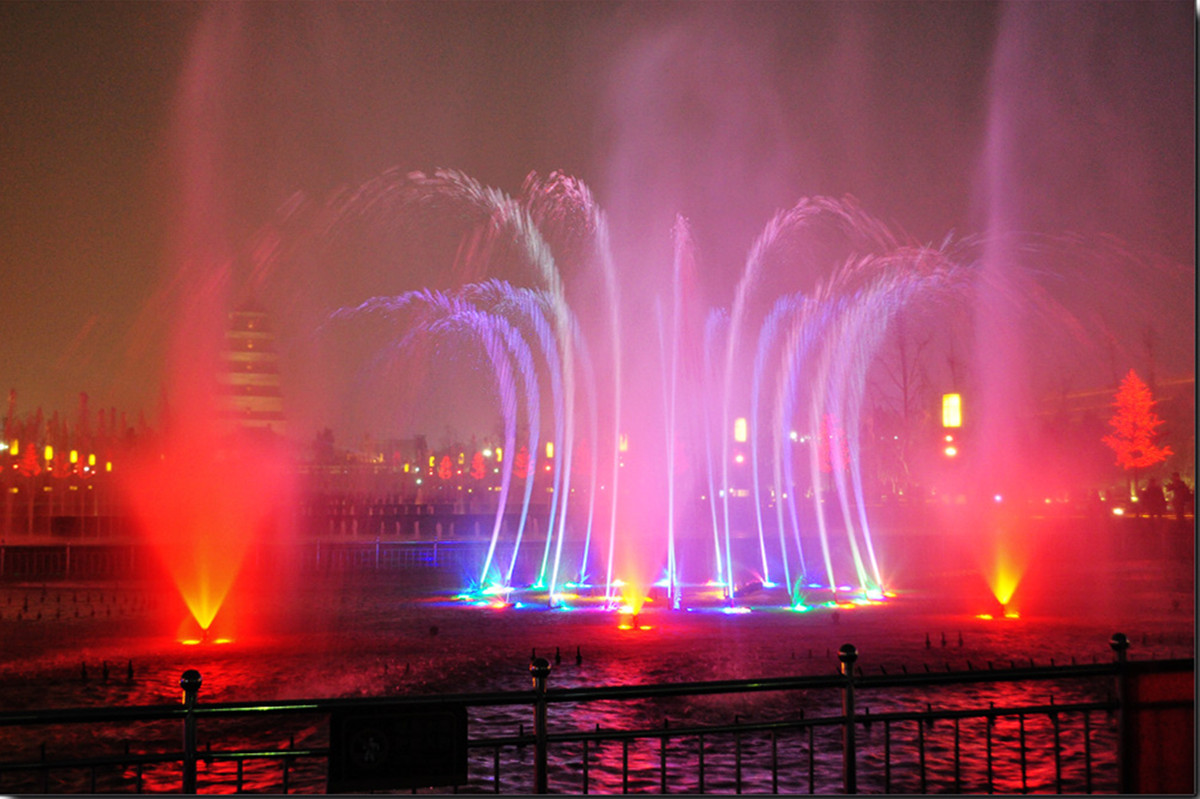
(699, 749)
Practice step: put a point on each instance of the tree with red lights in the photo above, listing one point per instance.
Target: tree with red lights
(1134, 424)
(478, 467)
(445, 468)
(29, 465)
(521, 463)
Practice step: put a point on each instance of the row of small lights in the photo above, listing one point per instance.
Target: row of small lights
(14, 449)
(951, 417)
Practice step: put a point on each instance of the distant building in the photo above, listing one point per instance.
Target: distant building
(250, 392)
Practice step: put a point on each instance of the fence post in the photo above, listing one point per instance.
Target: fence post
(540, 669)
(847, 655)
(1125, 771)
(190, 683)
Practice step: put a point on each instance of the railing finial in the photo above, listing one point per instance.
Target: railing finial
(847, 654)
(1120, 644)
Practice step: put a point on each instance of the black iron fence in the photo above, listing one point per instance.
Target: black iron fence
(1137, 736)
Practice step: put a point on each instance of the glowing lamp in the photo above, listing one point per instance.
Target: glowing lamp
(549, 449)
(15, 447)
(739, 430)
(74, 456)
(623, 442)
(108, 466)
(49, 453)
(950, 451)
(91, 459)
(951, 410)
(487, 453)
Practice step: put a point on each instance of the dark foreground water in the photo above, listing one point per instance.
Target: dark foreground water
(400, 634)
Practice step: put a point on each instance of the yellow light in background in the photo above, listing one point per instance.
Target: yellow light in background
(108, 466)
(499, 454)
(951, 410)
(92, 459)
(431, 462)
(623, 443)
(549, 449)
(406, 468)
(15, 446)
(49, 452)
(951, 451)
(74, 456)
(739, 430)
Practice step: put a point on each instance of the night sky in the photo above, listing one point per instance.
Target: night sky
(939, 118)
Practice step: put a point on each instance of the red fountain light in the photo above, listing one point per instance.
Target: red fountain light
(202, 505)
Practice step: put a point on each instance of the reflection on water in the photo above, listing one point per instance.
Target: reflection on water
(373, 640)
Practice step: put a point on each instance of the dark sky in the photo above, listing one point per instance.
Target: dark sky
(1068, 116)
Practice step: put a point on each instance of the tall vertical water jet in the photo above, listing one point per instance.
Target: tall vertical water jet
(192, 495)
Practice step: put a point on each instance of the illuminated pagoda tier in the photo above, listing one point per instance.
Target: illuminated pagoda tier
(250, 393)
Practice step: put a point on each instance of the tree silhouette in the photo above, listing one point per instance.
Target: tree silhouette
(1134, 424)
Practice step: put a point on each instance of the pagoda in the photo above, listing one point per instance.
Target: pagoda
(249, 385)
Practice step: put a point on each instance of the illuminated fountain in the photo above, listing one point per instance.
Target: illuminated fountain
(732, 480)
(734, 477)
(811, 350)
(703, 456)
